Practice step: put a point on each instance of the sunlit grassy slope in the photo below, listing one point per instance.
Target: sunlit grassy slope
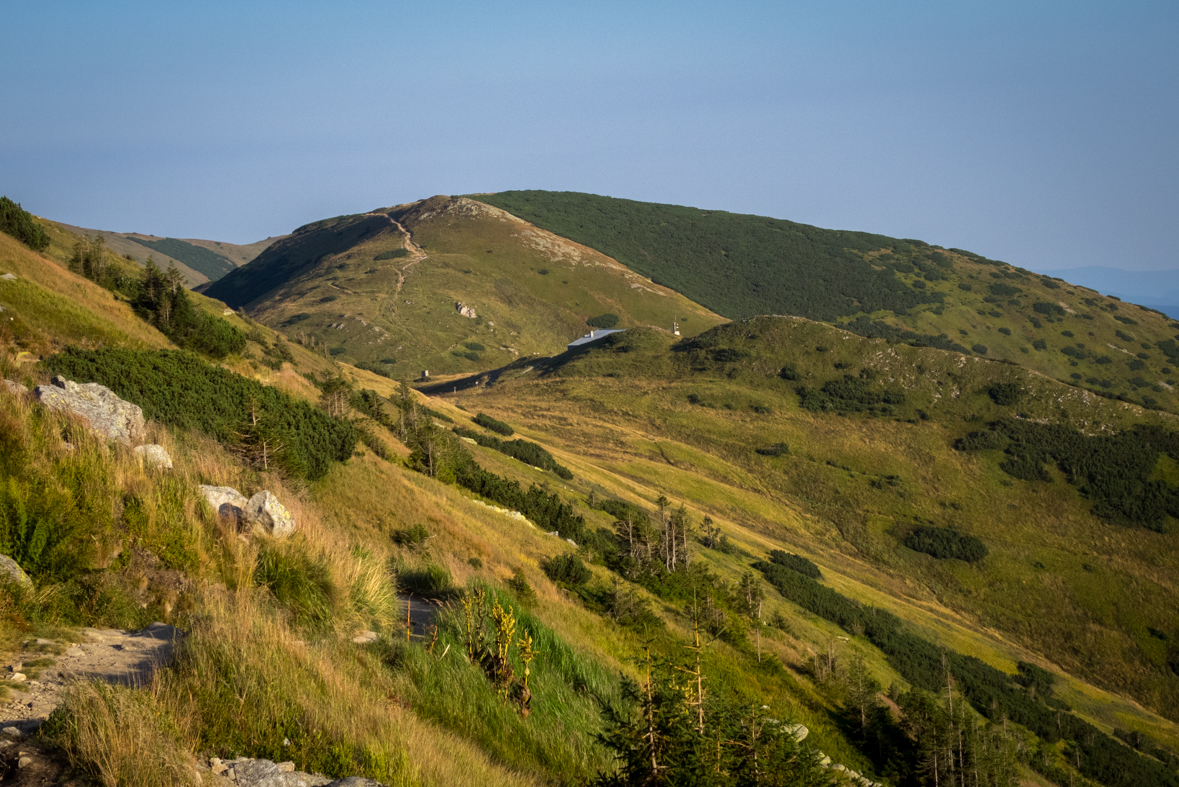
(742, 266)
(356, 287)
(1058, 581)
(636, 418)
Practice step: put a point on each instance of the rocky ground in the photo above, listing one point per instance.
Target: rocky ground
(109, 655)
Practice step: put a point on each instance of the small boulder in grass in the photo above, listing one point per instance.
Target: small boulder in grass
(154, 457)
(11, 572)
(264, 510)
(225, 500)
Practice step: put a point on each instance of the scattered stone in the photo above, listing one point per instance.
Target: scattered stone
(107, 414)
(225, 500)
(75, 652)
(15, 666)
(18, 677)
(153, 456)
(798, 731)
(8, 277)
(41, 641)
(11, 572)
(24, 762)
(465, 310)
(366, 637)
(264, 510)
(12, 732)
(15, 388)
(247, 772)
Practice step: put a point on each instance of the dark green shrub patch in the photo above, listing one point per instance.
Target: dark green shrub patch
(523, 450)
(180, 389)
(395, 254)
(1113, 471)
(566, 569)
(945, 544)
(849, 394)
(20, 224)
(495, 425)
(603, 321)
(1004, 394)
(795, 563)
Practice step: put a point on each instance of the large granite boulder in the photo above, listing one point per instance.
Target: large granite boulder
(225, 500)
(11, 572)
(107, 414)
(266, 512)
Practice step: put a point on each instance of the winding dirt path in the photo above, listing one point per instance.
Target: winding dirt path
(416, 255)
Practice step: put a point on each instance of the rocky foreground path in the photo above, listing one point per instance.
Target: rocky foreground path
(45, 667)
(110, 655)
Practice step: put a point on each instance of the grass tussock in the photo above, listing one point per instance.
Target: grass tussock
(121, 737)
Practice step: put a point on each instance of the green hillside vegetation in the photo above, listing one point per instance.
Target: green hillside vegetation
(865, 479)
(20, 224)
(360, 290)
(208, 263)
(664, 643)
(906, 290)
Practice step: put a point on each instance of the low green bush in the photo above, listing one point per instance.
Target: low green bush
(494, 424)
(566, 569)
(945, 544)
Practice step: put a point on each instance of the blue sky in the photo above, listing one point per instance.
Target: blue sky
(1043, 134)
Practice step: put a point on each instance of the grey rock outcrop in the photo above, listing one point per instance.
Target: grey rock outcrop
(107, 414)
(263, 510)
(266, 512)
(153, 456)
(246, 772)
(465, 310)
(225, 500)
(11, 572)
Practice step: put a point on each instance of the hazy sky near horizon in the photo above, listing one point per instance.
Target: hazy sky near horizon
(1040, 133)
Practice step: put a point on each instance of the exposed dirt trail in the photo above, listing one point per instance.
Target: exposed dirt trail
(108, 655)
(416, 255)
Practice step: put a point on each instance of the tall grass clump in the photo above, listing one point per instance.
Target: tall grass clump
(301, 585)
(558, 733)
(121, 737)
(250, 688)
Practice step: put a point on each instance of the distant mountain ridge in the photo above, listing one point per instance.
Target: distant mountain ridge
(199, 260)
(1157, 289)
(901, 289)
(448, 285)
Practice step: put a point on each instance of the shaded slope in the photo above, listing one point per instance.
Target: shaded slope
(448, 285)
(876, 286)
(208, 263)
(199, 260)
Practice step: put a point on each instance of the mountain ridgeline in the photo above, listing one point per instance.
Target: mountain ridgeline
(905, 290)
(449, 285)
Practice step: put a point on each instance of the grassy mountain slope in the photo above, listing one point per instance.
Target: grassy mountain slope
(383, 288)
(271, 623)
(741, 266)
(199, 260)
(689, 418)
